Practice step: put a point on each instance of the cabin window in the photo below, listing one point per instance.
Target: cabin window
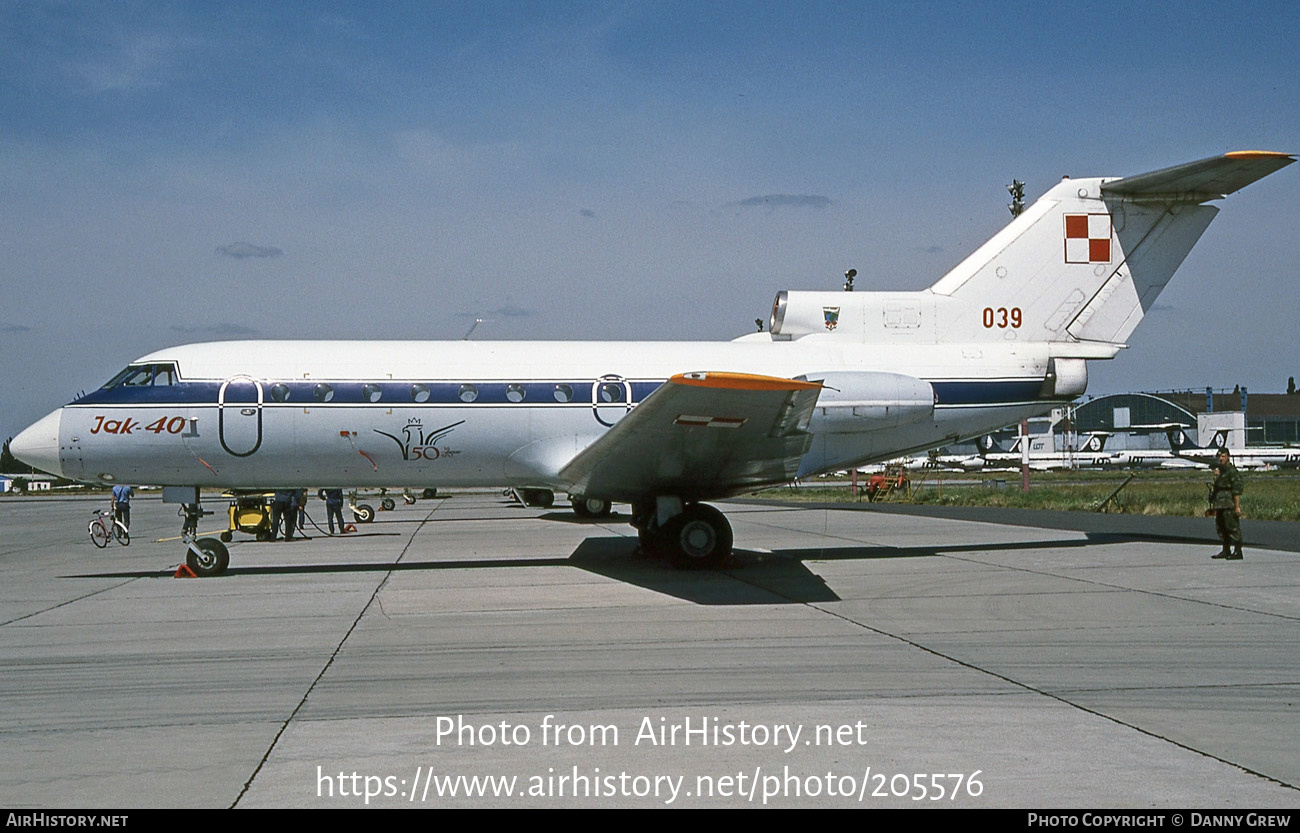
(563, 393)
(323, 392)
(611, 392)
(515, 393)
(280, 392)
(468, 393)
(372, 392)
(419, 393)
(143, 375)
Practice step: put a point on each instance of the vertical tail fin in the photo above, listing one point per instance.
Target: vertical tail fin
(1089, 258)
(1079, 267)
(1178, 439)
(1096, 441)
(1183, 444)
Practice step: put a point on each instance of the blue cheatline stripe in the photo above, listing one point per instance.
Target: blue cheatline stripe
(442, 393)
(302, 393)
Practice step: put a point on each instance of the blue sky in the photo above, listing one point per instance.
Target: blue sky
(175, 172)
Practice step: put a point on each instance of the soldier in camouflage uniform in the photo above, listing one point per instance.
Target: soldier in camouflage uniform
(1225, 501)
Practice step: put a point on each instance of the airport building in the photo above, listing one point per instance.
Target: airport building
(1136, 421)
(1252, 419)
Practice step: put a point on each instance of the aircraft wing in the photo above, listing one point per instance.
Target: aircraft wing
(701, 436)
(1206, 179)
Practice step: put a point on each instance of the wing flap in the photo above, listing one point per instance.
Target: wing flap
(1205, 179)
(700, 436)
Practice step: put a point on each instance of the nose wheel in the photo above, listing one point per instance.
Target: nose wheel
(207, 557)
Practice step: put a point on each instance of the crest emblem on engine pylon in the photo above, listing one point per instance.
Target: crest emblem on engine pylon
(832, 315)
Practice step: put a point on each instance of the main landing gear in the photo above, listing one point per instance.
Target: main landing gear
(590, 507)
(692, 535)
(583, 507)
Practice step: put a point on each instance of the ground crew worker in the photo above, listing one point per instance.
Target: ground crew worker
(300, 518)
(334, 508)
(1225, 501)
(122, 505)
(283, 511)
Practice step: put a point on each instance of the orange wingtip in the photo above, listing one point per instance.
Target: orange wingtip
(742, 381)
(1257, 154)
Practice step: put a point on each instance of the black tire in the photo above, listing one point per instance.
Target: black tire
(699, 538)
(538, 498)
(124, 537)
(363, 512)
(212, 559)
(98, 534)
(429, 494)
(590, 507)
(388, 504)
(227, 537)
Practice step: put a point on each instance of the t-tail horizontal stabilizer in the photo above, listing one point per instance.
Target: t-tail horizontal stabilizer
(1206, 179)
(1088, 259)
(1077, 269)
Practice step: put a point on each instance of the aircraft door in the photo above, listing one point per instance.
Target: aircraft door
(70, 459)
(611, 399)
(239, 415)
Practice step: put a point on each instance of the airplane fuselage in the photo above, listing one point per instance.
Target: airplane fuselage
(264, 414)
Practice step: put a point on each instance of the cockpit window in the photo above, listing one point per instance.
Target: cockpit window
(144, 375)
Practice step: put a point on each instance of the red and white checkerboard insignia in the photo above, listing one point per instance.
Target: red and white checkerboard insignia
(1087, 238)
(692, 421)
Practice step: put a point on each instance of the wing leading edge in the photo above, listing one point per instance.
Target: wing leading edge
(701, 436)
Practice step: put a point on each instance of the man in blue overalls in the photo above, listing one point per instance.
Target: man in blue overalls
(122, 505)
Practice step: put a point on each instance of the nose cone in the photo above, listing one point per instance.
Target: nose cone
(38, 445)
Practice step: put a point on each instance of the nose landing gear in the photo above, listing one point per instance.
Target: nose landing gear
(207, 557)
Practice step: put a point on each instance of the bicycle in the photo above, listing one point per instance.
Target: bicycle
(104, 527)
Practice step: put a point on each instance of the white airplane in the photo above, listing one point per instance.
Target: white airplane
(1157, 458)
(840, 379)
(956, 462)
(1243, 457)
(1043, 455)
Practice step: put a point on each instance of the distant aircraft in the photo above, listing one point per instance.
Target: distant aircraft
(956, 462)
(1157, 458)
(1243, 457)
(839, 379)
(1043, 455)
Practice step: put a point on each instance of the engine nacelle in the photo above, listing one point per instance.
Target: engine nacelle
(858, 401)
(796, 314)
(1066, 378)
(879, 317)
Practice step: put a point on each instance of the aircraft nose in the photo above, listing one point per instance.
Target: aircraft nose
(38, 444)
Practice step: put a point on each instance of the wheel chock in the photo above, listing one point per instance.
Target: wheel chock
(184, 571)
(349, 528)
